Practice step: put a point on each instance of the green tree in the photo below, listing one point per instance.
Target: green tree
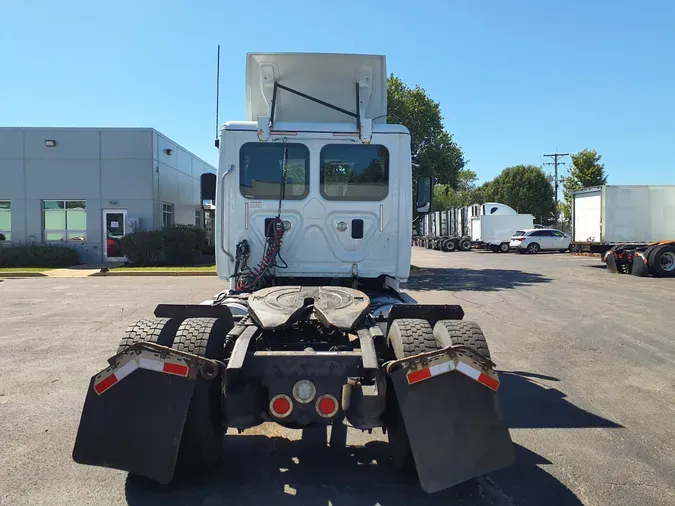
(433, 148)
(586, 170)
(523, 187)
(447, 197)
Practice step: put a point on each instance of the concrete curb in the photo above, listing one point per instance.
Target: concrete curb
(22, 275)
(156, 273)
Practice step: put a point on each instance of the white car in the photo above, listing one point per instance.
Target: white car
(535, 240)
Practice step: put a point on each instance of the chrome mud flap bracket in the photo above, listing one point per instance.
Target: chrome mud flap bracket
(135, 409)
(448, 402)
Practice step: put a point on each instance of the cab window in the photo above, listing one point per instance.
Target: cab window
(261, 167)
(355, 172)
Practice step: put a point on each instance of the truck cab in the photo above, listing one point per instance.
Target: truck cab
(343, 192)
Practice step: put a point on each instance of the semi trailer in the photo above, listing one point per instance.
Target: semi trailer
(630, 226)
(313, 225)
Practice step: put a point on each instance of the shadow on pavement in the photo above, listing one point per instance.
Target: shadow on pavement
(474, 280)
(529, 405)
(526, 483)
(276, 471)
(273, 470)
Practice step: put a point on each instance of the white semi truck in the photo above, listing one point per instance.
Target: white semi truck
(313, 226)
(625, 223)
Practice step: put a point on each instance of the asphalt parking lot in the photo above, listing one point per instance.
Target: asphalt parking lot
(586, 363)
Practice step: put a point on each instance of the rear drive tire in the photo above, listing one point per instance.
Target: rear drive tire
(150, 330)
(449, 245)
(407, 337)
(203, 432)
(468, 333)
(465, 244)
(533, 248)
(504, 247)
(662, 261)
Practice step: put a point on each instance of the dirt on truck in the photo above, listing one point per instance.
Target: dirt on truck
(313, 225)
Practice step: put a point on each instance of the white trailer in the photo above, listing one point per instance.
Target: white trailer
(610, 215)
(495, 231)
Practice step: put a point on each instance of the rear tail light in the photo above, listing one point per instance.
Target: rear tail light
(281, 406)
(517, 238)
(326, 406)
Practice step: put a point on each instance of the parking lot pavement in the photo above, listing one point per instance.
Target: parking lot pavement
(587, 390)
(56, 333)
(588, 377)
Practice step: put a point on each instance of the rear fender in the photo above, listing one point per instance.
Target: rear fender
(448, 402)
(135, 409)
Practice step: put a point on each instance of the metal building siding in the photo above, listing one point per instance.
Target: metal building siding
(110, 168)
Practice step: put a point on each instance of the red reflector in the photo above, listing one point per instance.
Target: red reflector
(178, 369)
(419, 375)
(281, 406)
(105, 384)
(327, 406)
(488, 381)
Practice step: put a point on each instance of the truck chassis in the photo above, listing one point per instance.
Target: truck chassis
(300, 357)
(656, 259)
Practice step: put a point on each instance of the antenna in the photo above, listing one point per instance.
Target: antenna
(217, 96)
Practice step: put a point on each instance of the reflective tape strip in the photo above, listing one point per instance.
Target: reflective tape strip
(175, 368)
(125, 370)
(468, 371)
(105, 384)
(488, 381)
(150, 364)
(429, 372)
(448, 366)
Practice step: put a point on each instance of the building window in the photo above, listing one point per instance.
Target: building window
(167, 215)
(198, 218)
(65, 220)
(354, 172)
(261, 169)
(5, 221)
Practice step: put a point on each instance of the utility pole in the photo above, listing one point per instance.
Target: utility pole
(555, 164)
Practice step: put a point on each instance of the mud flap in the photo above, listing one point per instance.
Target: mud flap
(640, 265)
(611, 263)
(135, 423)
(454, 423)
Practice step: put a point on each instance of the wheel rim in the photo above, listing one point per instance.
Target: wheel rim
(668, 261)
(504, 247)
(533, 248)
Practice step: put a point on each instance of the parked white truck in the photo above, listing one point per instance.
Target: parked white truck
(494, 232)
(314, 219)
(623, 222)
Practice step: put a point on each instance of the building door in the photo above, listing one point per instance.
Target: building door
(114, 228)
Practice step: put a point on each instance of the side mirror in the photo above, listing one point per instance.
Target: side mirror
(425, 191)
(208, 186)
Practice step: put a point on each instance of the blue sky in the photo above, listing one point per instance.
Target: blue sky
(515, 79)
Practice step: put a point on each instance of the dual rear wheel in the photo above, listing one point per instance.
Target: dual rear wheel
(408, 337)
(202, 437)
